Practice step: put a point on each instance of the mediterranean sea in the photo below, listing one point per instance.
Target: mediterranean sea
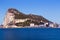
(29, 33)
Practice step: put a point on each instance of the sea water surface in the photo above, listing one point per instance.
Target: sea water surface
(29, 33)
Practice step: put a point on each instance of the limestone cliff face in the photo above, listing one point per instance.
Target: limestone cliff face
(9, 17)
(13, 14)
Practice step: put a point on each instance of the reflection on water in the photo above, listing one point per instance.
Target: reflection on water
(30, 34)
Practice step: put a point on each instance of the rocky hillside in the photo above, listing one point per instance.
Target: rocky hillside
(15, 18)
(20, 15)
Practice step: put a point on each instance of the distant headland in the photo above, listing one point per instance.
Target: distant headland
(17, 19)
